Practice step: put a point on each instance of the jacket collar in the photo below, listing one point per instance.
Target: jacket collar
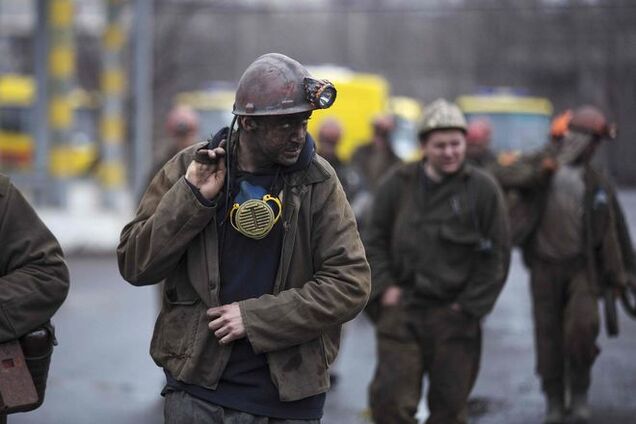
(464, 172)
(309, 169)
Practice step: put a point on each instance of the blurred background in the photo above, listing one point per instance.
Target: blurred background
(86, 88)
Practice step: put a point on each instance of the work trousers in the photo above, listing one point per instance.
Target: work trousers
(180, 408)
(566, 322)
(437, 342)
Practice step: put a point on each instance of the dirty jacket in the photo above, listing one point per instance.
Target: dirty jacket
(34, 279)
(444, 244)
(523, 180)
(323, 279)
(608, 247)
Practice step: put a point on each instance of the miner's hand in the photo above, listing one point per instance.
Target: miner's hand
(207, 171)
(227, 323)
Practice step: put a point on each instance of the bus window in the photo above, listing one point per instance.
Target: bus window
(516, 132)
(520, 123)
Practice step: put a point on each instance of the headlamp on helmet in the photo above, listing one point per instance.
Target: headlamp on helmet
(320, 93)
(275, 84)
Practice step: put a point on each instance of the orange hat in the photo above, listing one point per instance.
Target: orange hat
(560, 124)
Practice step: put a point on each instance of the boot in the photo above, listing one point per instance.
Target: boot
(579, 408)
(555, 411)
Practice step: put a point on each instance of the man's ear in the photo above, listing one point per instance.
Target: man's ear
(248, 123)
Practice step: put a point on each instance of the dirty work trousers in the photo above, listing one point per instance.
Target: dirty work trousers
(566, 323)
(437, 342)
(180, 408)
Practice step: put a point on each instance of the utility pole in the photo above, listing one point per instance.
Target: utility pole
(143, 77)
(112, 171)
(61, 68)
(41, 130)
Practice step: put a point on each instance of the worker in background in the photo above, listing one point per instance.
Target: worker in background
(478, 138)
(439, 253)
(579, 247)
(521, 176)
(372, 161)
(329, 137)
(182, 129)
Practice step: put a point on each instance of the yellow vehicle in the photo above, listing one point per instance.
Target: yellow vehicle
(361, 97)
(520, 123)
(17, 146)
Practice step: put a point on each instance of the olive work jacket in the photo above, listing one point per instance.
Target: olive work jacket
(323, 279)
(443, 244)
(34, 279)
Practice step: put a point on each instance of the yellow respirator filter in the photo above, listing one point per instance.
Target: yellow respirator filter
(255, 218)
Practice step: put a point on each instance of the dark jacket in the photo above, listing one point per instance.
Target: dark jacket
(373, 164)
(323, 279)
(608, 247)
(524, 180)
(34, 279)
(443, 243)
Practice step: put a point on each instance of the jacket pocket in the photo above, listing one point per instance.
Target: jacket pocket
(177, 290)
(459, 235)
(458, 249)
(176, 327)
(458, 243)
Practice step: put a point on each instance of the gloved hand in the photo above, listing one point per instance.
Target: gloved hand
(201, 156)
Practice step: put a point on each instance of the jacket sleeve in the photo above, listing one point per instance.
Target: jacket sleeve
(491, 267)
(34, 279)
(526, 173)
(169, 216)
(337, 292)
(379, 234)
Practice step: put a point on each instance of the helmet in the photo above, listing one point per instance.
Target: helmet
(479, 131)
(275, 84)
(442, 115)
(182, 120)
(560, 124)
(590, 119)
